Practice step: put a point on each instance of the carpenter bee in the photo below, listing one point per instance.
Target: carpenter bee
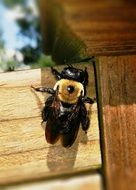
(65, 109)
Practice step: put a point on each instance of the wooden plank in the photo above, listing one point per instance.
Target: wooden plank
(107, 28)
(24, 153)
(76, 183)
(117, 77)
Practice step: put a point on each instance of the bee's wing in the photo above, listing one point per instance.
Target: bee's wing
(51, 132)
(67, 139)
(52, 128)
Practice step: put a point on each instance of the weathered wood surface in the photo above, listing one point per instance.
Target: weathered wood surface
(106, 27)
(76, 183)
(118, 92)
(24, 153)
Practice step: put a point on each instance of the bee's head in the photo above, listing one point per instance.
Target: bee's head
(69, 90)
(75, 74)
(72, 84)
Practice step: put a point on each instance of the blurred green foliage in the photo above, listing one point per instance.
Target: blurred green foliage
(29, 27)
(44, 61)
(9, 65)
(1, 41)
(12, 3)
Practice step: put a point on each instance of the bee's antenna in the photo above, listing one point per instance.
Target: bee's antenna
(70, 65)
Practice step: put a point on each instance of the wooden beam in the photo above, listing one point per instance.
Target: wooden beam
(76, 183)
(24, 153)
(117, 77)
(106, 28)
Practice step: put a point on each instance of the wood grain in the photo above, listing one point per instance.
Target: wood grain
(24, 153)
(106, 27)
(118, 93)
(76, 183)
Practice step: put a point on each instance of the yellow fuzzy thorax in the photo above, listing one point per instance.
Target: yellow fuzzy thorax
(63, 93)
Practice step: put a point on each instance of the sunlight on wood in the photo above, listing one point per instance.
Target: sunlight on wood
(24, 152)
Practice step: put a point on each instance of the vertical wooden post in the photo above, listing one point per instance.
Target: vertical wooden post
(49, 14)
(117, 79)
(59, 40)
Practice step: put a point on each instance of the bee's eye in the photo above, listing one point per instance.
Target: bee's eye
(70, 88)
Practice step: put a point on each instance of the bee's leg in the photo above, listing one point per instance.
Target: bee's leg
(85, 121)
(44, 89)
(88, 100)
(56, 73)
(86, 77)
